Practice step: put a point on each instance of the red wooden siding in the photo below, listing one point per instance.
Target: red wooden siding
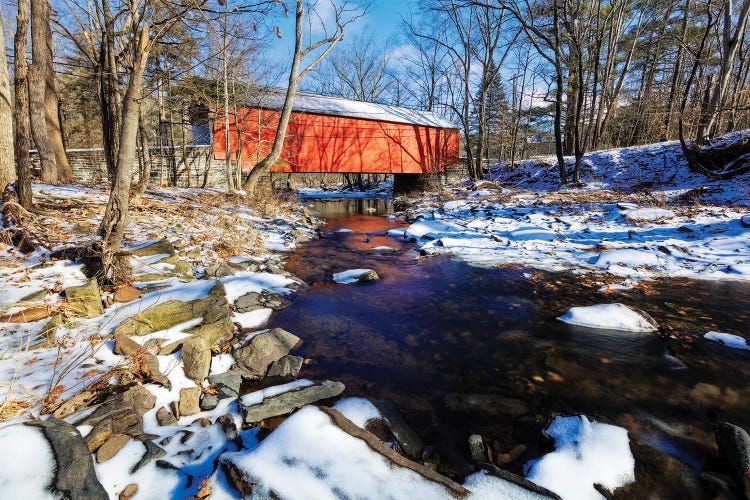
(322, 143)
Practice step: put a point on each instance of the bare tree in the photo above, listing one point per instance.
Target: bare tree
(424, 68)
(344, 14)
(360, 72)
(733, 34)
(547, 40)
(135, 34)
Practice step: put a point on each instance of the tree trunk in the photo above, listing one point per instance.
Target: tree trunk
(22, 131)
(110, 101)
(40, 67)
(145, 172)
(558, 96)
(225, 69)
(115, 216)
(7, 169)
(677, 72)
(51, 99)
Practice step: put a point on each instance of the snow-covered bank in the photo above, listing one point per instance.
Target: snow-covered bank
(660, 167)
(640, 214)
(533, 230)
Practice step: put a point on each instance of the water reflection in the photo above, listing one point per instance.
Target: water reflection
(331, 209)
(463, 350)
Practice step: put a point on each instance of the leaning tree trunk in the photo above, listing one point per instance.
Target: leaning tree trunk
(40, 68)
(264, 165)
(7, 169)
(22, 130)
(114, 265)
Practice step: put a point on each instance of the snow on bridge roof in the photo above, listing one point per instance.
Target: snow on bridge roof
(336, 106)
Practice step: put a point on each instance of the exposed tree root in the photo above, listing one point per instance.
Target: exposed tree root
(721, 161)
(19, 226)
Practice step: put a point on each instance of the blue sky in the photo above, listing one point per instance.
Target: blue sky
(382, 20)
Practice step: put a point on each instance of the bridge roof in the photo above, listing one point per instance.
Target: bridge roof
(305, 102)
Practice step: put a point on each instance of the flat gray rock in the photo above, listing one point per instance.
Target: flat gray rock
(286, 402)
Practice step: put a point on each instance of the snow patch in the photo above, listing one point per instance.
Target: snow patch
(358, 410)
(608, 317)
(27, 464)
(293, 464)
(728, 340)
(350, 276)
(586, 453)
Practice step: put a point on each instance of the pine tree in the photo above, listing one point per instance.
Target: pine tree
(498, 115)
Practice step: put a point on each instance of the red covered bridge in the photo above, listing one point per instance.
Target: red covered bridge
(330, 134)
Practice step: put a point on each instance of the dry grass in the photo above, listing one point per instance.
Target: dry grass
(10, 408)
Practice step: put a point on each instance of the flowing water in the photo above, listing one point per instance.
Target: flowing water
(461, 350)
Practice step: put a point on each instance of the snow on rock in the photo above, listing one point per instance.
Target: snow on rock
(244, 282)
(252, 319)
(484, 486)
(353, 276)
(745, 220)
(609, 317)
(308, 456)
(434, 227)
(728, 340)
(257, 397)
(648, 214)
(586, 453)
(27, 471)
(358, 410)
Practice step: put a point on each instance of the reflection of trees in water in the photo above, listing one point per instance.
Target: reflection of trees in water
(329, 209)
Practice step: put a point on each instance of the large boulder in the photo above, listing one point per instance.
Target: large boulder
(120, 414)
(269, 403)
(168, 265)
(223, 385)
(409, 441)
(189, 398)
(254, 359)
(74, 475)
(84, 301)
(734, 445)
(216, 332)
(173, 312)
